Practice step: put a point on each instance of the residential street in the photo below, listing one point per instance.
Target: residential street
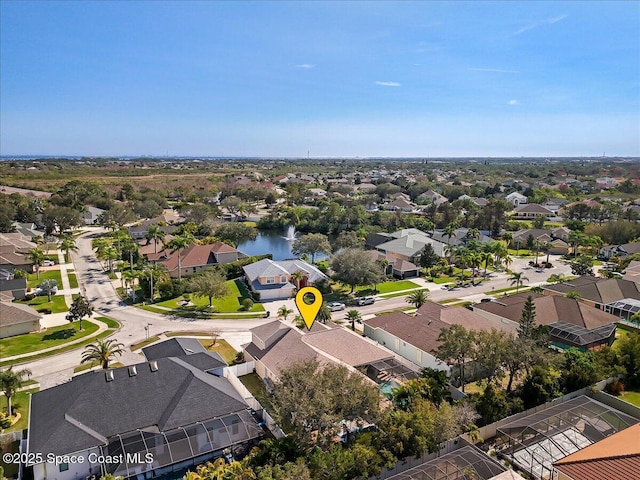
(100, 291)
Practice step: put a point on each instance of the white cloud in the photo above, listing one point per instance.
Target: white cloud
(305, 65)
(495, 70)
(389, 84)
(546, 21)
(514, 102)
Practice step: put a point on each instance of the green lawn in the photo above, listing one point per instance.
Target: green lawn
(631, 397)
(89, 365)
(110, 323)
(73, 280)
(225, 350)
(228, 304)
(19, 403)
(51, 337)
(257, 388)
(445, 279)
(144, 343)
(33, 281)
(522, 288)
(340, 291)
(56, 305)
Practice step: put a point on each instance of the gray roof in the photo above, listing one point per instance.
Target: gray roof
(86, 411)
(270, 268)
(15, 313)
(14, 284)
(410, 245)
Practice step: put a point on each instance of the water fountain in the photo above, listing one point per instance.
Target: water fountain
(291, 233)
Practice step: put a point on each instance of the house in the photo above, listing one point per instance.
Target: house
(28, 231)
(532, 210)
(18, 319)
(431, 196)
(140, 230)
(617, 296)
(632, 272)
(14, 288)
(275, 280)
(11, 261)
(619, 250)
(196, 258)
(415, 337)
(571, 323)
(617, 456)
(400, 205)
(92, 215)
(460, 236)
(276, 346)
(606, 183)
(516, 199)
(406, 245)
(397, 267)
(139, 421)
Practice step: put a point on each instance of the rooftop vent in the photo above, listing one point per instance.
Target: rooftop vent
(153, 365)
(108, 375)
(133, 371)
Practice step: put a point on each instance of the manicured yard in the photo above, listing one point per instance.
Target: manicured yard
(19, 403)
(33, 281)
(51, 337)
(228, 304)
(73, 280)
(144, 343)
(110, 323)
(257, 388)
(56, 305)
(225, 350)
(381, 288)
(631, 397)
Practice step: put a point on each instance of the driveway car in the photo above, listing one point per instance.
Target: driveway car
(366, 301)
(336, 306)
(48, 263)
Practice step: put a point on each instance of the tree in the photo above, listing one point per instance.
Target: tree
(582, 265)
(236, 233)
(418, 298)
(311, 400)
(428, 257)
(210, 284)
(518, 279)
(10, 383)
(102, 351)
(456, 343)
(354, 267)
(37, 257)
(61, 217)
(573, 294)
(490, 348)
(353, 316)
(155, 235)
(556, 278)
(284, 312)
(130, 277)
(155, 273)
(311, 244)
(579, 370)
(349, 239)
(79, 309)
(492, 405)
(540, 386)
(324, 314)
(233, 205)
(48, 286)
(68, 245)
(629, 353)
(178, 244)
(527, 318)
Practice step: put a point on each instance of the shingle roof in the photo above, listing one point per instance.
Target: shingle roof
(191, 348)
(285, 352)
(346, 346)
(599, 290)
(533, 208)
(15, 313)
(84, 412)
(270, 268)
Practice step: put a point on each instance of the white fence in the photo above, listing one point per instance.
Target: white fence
(242, 368)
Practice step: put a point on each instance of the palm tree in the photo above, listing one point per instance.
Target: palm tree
(354, 316)
(178, 244)
(284, 312)
(37, 257)
(450, 231)
(485, 257)
(556, 278)
(507, 237)
(130, 277)
(576, 239)
(517, 279)
(508, 260)
(154, 272)
(68, 245)
(102, 351)
(155, 234)
(324, 314)
(297, 277)
(10, 382)
(418, 298)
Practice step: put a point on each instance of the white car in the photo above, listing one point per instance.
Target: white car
(48, 263)
(366, 301)
(336, 306)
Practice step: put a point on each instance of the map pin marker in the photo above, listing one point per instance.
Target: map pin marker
(309, 311)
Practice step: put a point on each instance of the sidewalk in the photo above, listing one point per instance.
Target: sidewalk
(66, 286)
(101, 328)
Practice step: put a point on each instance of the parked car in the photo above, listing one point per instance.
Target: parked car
(336, 306)
(366, 301)
(48, 263)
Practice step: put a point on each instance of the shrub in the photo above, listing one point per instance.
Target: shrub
(616, 388)
(239, 358)
(247, 303)
(45, 311)
(256, 296)
(5, 420)
(29, 296)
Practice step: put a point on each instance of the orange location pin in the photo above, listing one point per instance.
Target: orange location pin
(309, 311)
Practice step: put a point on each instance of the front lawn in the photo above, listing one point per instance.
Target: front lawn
(230, 303)
(42, 304)
(33, 281)
(51, 337)
(225, 350)
(381, 288)
(73, 280)
(19, 403)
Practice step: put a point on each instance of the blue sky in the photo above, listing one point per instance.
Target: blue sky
(332, 78)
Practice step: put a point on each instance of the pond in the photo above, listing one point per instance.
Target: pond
(275, 242)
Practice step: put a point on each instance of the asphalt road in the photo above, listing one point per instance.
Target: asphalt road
(99, 290)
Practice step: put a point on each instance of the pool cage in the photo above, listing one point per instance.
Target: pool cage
(151, 452)
(466, 463)
(536, 441)
(625, 308)
(570, 335)
(383, 371)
